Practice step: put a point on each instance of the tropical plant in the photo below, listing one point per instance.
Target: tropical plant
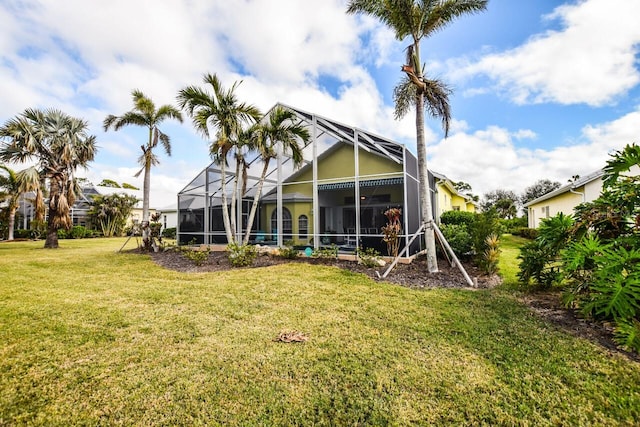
(220, 110)
(417, 20)
(540, 258)
(58, 144)
(491, 255)
(10, 191)
(392, 230)
(280, 127)
(145, 114)
(110, 212)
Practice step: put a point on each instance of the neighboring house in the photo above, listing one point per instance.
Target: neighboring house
(168, 216)
(566, 198)
(448, 198)
(349, 178)
(80, 210)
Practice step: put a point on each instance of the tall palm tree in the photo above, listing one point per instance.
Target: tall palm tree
(59, 144)
(419, 19)
(222, 112)
(281, 127)
(145, 114)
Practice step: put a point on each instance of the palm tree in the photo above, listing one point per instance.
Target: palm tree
(10, 192)
(419, 19)
(220, 110)
(280, 128)
(59, 144)
(145, 114)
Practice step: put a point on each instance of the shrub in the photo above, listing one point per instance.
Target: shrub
(330, 252)
(197, 256)
(485, 225)
(21, 233)
(169, 233)
(511, 225)
(368, 257)
(457, 218)
(459, 238)
(526, 232)
(288, 251)
(241, 255)
(78, 232)
(62, 233)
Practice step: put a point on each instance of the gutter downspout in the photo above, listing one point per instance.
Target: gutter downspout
(571, 190)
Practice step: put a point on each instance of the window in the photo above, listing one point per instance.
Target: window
(545, 212)
(303, 226)
(286, 222)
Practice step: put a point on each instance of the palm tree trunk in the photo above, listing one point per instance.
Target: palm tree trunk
(145, 203)
(225, 212)
(423, 174)
(234, 199)
(52, 230)
(12, 222)
(256, 197)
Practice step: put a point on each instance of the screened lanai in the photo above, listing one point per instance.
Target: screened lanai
(337, 196)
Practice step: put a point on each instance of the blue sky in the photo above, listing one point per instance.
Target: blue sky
(542, 89)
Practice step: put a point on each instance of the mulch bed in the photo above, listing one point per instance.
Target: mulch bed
(546, 305)
(410, 275)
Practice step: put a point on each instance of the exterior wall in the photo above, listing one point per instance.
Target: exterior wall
(296, 209)
(447, 200)
(564, 203)
(339, 165)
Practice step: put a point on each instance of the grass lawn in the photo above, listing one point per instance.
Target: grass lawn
(89, 336)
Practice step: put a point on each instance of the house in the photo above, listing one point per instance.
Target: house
(338, 195)
(80, 209)
(168, 216)
(448, 198)
(566, 198)
(79, 212)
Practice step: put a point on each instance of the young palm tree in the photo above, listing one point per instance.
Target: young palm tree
(281, 127)
(221, 111)
(59, 144)
(419, 19)
(10, 192)
(145, 114)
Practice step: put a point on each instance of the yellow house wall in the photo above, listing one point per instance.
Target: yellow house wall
(564, 203)
(339, 165)
(461, 203)
(296, 209)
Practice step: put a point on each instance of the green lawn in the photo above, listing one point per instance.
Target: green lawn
(510, 249)
(89, 336)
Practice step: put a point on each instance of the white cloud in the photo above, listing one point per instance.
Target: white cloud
(591, 60)
(490, 159)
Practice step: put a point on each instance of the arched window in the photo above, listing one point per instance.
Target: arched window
(303, 226)
(286, 223)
